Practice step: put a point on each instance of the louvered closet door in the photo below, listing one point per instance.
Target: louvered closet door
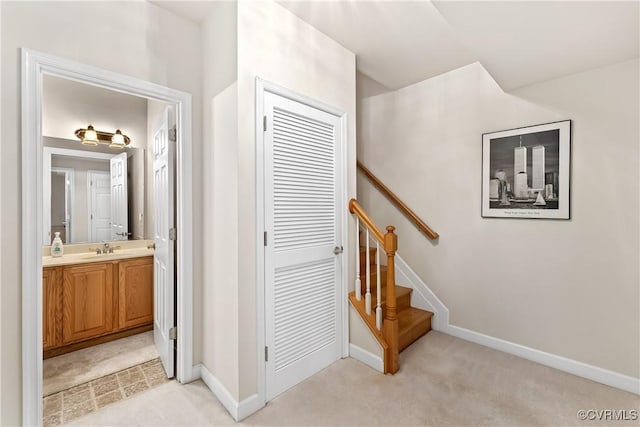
(302, 219)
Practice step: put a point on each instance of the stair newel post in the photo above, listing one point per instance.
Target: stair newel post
(378, 289)
(390, 327)
(358, 286)
(367, 269)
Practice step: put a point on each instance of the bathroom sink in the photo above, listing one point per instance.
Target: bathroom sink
(92, 256)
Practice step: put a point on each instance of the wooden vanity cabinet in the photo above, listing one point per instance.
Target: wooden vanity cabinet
(135, 296)
(87, 301)
(87, 304)
(51, 307)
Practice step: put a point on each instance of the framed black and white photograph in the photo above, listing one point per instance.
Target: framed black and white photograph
(525, 172)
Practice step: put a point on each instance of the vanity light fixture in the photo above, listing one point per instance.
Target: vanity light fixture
(90, 136)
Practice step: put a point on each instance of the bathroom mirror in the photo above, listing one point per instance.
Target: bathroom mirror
(80, 199)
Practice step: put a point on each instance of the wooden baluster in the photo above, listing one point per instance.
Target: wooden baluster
(390, 327)
(358, 290)
(378, 289)
(367, 269)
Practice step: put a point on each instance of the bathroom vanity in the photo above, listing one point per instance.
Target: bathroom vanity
(90, 298)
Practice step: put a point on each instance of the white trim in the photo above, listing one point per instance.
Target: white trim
(346, 247)
(425, 298)
(249, 406)
(237, 410)
(366, 357)
(422, 297)
(69, 152)
(34, 66)
(262, 86)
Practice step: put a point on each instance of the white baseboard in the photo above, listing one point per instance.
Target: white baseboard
(249, 406)
(423, 297)
(238, 410)
(366, 357)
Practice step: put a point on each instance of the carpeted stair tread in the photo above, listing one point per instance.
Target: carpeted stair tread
(412, 324)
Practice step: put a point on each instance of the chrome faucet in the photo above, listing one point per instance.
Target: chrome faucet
(107, 249)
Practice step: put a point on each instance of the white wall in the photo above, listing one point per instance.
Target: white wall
(278, 47)
(133, 38)
(68, 105)
(220, 196)
(569, 288)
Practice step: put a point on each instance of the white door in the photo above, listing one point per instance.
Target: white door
(99, 205)
(163, 222)
(303, 225)
(119, 209)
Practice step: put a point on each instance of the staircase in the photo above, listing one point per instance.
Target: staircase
(412, 322)
(390, 317)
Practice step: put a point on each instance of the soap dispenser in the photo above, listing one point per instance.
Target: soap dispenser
(57, 249)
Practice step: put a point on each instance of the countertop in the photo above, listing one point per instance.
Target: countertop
(89, 257)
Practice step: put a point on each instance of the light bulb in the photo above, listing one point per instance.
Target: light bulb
(117, 140)
(90, 136)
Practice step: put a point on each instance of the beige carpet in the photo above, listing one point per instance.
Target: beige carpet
(443, 381)
(71, 369)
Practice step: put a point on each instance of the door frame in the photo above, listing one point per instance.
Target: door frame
(263, 86)
(34, 66)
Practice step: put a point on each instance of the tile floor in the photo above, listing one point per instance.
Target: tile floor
(64, 406)
(82, 366)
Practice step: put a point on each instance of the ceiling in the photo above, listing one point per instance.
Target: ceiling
(398, 43)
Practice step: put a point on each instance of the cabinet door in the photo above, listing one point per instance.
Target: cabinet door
(51, 308)
(87, 301)
(135, 292)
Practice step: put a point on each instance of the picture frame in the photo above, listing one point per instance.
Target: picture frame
(526, 172)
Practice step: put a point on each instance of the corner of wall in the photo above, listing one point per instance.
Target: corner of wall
(362, 345)
(238, 410)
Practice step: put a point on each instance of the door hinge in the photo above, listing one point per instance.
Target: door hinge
(173, 134)
(266, 353)
(173, 333)
(264, 123)
(172, 233)
(265, 238)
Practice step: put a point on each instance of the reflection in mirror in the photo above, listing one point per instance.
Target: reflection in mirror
(62, 181)
(83, 212)
(93, 196)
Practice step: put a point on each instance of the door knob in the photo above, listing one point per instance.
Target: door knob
(337, 250)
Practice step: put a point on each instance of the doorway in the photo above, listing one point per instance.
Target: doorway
(35, 66)
(304, 226)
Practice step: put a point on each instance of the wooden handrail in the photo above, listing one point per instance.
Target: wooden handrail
(398, 203)
(356, 209)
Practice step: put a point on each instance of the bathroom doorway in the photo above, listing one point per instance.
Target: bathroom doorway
(95, 321)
